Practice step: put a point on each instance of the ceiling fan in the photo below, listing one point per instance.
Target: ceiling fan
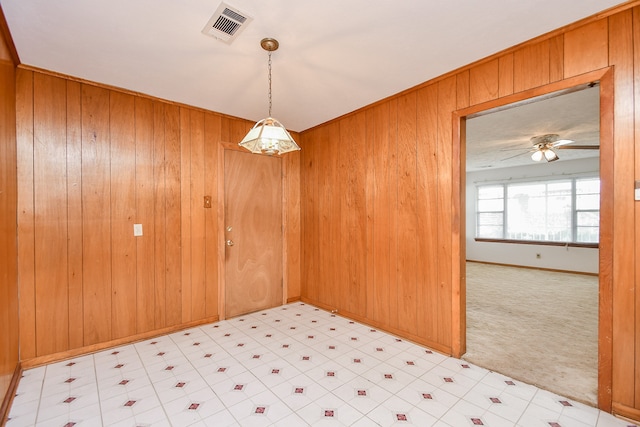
(544, 147)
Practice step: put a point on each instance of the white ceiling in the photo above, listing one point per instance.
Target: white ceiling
(503, 138)
(335, 56)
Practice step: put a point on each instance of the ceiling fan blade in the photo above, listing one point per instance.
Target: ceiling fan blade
(511, 157)
(561, 142)
(578, 147)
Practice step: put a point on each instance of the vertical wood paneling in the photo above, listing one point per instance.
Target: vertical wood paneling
(185, 212)
(123, 214)
(621, 54)
(144, 214)
(212, 124)
(505, 75)
(378, 137)
(407, 215)
(586, 48)
(463, 95)
(556, 58)
(636, 72)
(394, 307)
(484, 82)
(446, 90)
(531, 66)
(96, 225)
(74, 212)
(160, 216)
(428, 208)
(50, 210)
(352, 129)
(101, 160)
(310, 221)
(9, 329)
(26, 218)
(324, 216)
(197, 218)
(173, 292)
(292, 211)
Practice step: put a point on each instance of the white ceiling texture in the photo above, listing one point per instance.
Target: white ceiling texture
(335, 56)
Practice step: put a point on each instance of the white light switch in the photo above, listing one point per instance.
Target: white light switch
(137, 229)
(637, 193)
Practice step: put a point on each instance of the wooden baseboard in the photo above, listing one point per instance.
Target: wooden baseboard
(294, 299)
(56, 357)
(11, 393)
(626, 412)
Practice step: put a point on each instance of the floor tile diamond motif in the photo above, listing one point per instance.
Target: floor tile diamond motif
(295, 365)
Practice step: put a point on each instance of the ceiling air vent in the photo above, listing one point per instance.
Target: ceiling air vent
(226, 23)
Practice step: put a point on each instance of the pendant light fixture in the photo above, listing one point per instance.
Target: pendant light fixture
(269, 136)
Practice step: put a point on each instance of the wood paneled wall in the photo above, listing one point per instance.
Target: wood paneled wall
(380, 205)
(8, 199)
(92, 162)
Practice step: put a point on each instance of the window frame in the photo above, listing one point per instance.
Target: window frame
(574, 213)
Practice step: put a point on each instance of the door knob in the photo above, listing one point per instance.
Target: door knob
(230, 242)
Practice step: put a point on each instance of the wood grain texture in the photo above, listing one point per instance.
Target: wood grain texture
(122, 160)
(26, 218)
(484, 83)
(74, 213)
(50, 202)
(586, 47)
(185, 212)
(531, 66)
(636, 72)
(212, 126)
(505, 75)
(407, 214)
(173, 214)
(446, 104)
(556, 58)
(96, 219)
(145, 215)
(9, 330)
(253, 210)
(197, 217)
(428, 208)
(621, 54)
(159, 217)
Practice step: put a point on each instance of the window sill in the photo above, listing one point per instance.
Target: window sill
(543, 243)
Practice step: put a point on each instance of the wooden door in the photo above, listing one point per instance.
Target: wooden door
(253, 232)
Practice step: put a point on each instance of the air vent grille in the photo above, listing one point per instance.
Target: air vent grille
(226, 23)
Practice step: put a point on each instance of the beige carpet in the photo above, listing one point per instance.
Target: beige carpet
(536, 326)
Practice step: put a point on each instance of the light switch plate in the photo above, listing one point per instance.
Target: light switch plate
(637, 193)
(137, 230)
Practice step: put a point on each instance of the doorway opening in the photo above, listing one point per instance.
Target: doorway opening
(518, 187)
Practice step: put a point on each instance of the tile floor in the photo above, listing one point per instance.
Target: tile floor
(289, 366)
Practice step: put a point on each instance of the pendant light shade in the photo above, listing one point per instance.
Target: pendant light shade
(269, 136)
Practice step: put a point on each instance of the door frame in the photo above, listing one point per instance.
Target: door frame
(605, 275)
(287, 180)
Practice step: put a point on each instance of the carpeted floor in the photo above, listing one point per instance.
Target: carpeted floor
(537, 326)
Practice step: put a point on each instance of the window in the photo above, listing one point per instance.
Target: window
(565, 211)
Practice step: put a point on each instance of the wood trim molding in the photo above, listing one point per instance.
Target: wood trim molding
(605, 310)
(56, 357)
(11, 393)
(631, 414)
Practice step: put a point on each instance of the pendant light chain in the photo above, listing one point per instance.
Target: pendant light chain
(269, 83)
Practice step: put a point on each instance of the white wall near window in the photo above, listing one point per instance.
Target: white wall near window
(552, 257)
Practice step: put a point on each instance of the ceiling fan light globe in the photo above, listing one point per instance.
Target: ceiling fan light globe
(537, 156)
(550, 155)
